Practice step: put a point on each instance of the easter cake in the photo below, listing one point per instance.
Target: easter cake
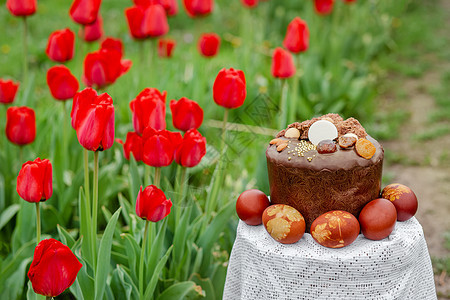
(324, 164)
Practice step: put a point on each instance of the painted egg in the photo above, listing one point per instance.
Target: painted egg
(250, 206)
(403, 198)
(335, 229)
(378, 219)
(322, 130)
(284, 223)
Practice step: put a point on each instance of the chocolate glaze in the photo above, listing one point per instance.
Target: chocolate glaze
(335, 181)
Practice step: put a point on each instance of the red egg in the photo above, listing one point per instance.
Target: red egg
(403, 198)
(335, 229)
(284, 223)
(250, 206)
(378, 219)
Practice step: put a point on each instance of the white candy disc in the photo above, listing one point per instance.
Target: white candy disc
(322, 130)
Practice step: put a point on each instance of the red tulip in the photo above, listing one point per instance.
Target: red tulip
(8, 90)
(198, 8)
(166, 47)
(60, 45)
(249, 3)
(152, 204)
(20, 125)
(191, 150)
(170, 6)
(186, 114)
(323, 7)
(133, 144)
(282, 64)
(156, 20)
(54, 268)
(159, 146)
(103, 67)
(93, 32)
(112, 44)
(85, 12)
(61, 82)
(21, 8)
(93, 119)
(229, 89)
(297, 36)
(135, 20)
(148, 21)
(34, 183)
(208, 44)
(149, 110)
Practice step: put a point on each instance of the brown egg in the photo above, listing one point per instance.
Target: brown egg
(378, 219)
(284, 223)
(403, 198)
(335, 229)
(250, 206)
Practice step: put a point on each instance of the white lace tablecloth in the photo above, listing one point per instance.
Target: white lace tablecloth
(398, 267)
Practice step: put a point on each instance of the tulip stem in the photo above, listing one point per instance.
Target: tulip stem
(95, 207)
(157, 179)
(25, 50)
(147, 175)
(224, 132)
(141, 262)
(283, 104)
(20, 155)
(38, 224)
(181, 199)
(64, 150)
(87, 196)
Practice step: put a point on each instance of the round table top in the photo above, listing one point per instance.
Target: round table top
(397, 267)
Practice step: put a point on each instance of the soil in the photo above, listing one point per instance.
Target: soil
(425, 171)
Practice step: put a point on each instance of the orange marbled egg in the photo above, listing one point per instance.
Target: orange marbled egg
(284, 223)
(335, 229)
(403, 198)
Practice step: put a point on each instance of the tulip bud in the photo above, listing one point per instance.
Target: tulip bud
(20, 125)
(250, 3)
(152, 204)
(159, 146)
(191, 150)
(198, 8)
(112, 44)
(323, 7)
(61, 82)
(133, 144)
(85, 12)
(147, 21)
(149, 110)
(93, 119)
(54, 268)
(297, 36)
(8, 90)
(103, 67)
(229, 89)
(186, 114)
(93, 32)
(208, 44)
(60, 45)
(282, 64)
(21, 8)
(34, 183)
(166, 47)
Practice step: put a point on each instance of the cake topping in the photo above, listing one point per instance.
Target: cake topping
(347, 140)
(292, 133)
(351, 125)
(365, 148)
(321, 130)
(326, 146)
